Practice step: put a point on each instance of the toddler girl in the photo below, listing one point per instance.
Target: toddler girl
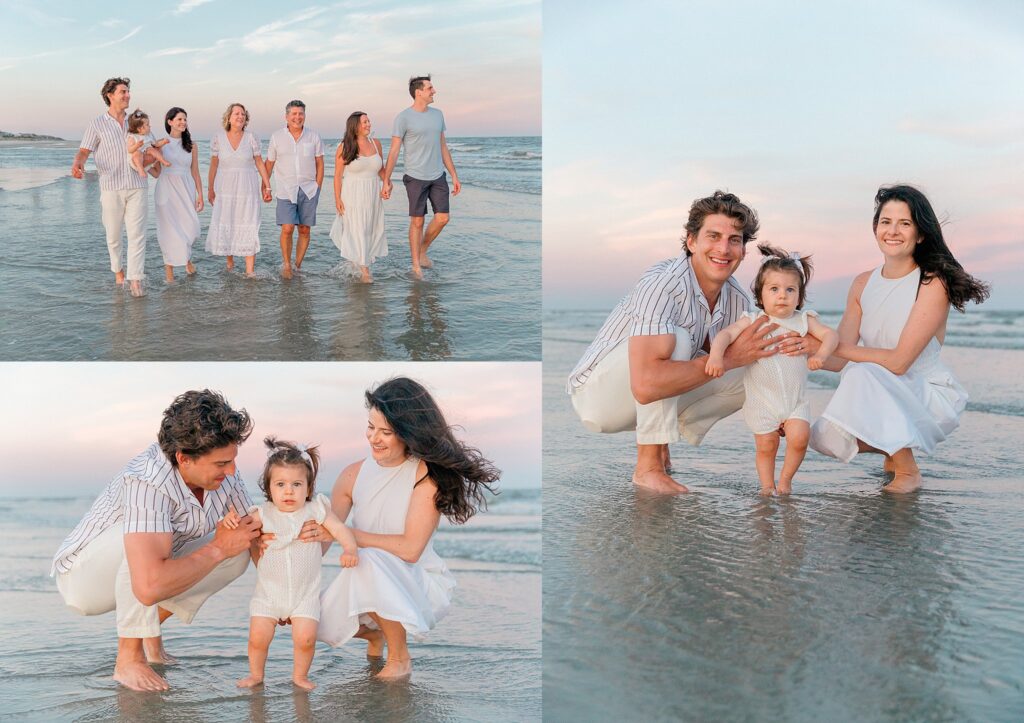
(775, 386)
(288, 573)
(143, 149)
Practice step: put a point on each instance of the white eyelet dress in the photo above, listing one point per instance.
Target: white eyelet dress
(776, 387)
(288, 574)
(416, 594)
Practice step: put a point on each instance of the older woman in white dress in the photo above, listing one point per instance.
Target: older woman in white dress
(896, 397)
(178, 196)
(236, 169)
(358, 229)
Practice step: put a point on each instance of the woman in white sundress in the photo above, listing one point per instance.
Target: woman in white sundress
(417, 471)
(896, 397)
(178, 196)
(236, 168)
(358, 229)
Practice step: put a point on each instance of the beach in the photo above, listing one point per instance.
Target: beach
(481, 663)
(837, 603)
(481, 301)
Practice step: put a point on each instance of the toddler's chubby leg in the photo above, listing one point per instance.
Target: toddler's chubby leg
(766, 446)
(156, 155)
(261, 632)
(798, 432)
(138, 163)
(304, 642)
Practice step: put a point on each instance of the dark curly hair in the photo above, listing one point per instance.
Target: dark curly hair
(288, 453)
(777, 259)
(110, 85)
(932, 255)
(200, 421)
(724, 203)
(186, 137)
(460, 472)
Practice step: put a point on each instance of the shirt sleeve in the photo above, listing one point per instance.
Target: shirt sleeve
(255, 144)
(318, 146)
(271, 149)
(654, 306)
(323, 506)
(215, 144)
(91, 138)
(400, 126)
(443, 126)
(145, 508)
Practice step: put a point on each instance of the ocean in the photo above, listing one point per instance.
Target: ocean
(480, 302)
(838, 603)
(481, 663)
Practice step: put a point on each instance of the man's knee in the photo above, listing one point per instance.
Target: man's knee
(303, 231)
(288, 228)
(440, 219)
(416, 222)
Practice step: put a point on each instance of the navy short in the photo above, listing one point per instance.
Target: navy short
(302, 212)
(418, 191)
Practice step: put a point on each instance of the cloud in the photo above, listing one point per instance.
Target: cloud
(977, 134)
(172, 51)
(130, 34)
(187, 6)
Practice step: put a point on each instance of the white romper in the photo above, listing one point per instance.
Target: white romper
(147, 141)
(288, 573)
(776, 387)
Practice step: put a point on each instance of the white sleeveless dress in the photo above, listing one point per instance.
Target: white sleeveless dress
(288, 574)
(177, 223)
(776, 387)
(359, 234)
(415, 594)
(890, 412)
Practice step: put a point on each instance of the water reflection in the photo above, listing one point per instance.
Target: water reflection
(426, 337)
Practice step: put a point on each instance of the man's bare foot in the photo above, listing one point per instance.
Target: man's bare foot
(784, 488)
(657, 481)
(426, 263)
(767, 491)
(155, 653)
(190, 268)
(136, 288)
(417, 273)
(666, 459)
(252, 275)
(396, 669)
(286, 271)
(137, 675)
(119, 278)
(250, 681)
(304, 683)
(904, 482)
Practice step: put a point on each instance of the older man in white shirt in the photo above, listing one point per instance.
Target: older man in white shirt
(298, 155)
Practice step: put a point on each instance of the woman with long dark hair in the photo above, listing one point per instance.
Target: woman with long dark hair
(896, 396)
(417, 471)
(358, 229)
(178, 196)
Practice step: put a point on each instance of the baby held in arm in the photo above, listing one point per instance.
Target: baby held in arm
(775, 387)
(143, 150)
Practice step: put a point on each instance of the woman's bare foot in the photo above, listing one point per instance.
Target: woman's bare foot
(888, 465)
(365, 275)
(304, 683)
(425, 262)
(784, 488)
(155, 653)
(374, 642)
(417, 273)
(286, 271)
(396, 668)
(190, 268)
(169, 274)
(657, 480)
(250, 681)
(137, 675)
(904, 482)
(231, 262)
(767, 491)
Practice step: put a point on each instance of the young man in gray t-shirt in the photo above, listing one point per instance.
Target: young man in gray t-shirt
(421, 129)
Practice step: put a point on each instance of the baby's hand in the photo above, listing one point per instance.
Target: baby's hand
(814, 363)
(349, 558)
(231, 519)
(715, 367)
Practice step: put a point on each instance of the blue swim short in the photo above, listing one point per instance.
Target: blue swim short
(302, 212)
(418, 191)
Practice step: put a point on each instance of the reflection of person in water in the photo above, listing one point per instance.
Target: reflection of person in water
(427, 336)
(361, 335)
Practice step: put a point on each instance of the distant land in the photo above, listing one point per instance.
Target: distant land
(4, 135)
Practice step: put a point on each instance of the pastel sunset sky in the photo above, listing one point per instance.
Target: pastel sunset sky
(802, 109)
(71, 427)
(336, 56)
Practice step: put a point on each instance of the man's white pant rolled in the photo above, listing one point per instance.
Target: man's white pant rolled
(100, 582)
(605, 402)
(127, 210)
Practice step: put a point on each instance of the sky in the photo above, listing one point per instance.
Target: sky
(70, 428)
(802, 109)
(338, 57)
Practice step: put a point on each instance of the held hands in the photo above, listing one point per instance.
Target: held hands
(349, 558)
(753, 343)
(233, 541)
(385, 192)
(231, 519)
(267, 195)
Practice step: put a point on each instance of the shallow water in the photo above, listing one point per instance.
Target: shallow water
(480, 302)
(838, 603)
(482, 662)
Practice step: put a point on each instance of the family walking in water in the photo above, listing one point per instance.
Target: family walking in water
(177, 525)
(685, 349)
(240, 180)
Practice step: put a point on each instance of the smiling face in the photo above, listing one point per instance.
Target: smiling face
(119, 98)
(179, 123)
(716, 250)
(363, 129)
(426, 93)
(237, 118)
(207, 471)
(896, 232)
(289, 486)
(295, 118)
(780, 293)
(385, 446)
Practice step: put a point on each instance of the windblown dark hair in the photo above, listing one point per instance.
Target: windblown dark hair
(777, 259)
(288, 453)
(725, 203)
(460, 472)
(186, 137)
(416, 83)
(932, 254)
(110, 85)
(350, 143)
(135, 119)
(200, 421)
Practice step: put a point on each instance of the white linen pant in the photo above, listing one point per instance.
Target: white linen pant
(100, 582)
(127, 209)
(605, 402)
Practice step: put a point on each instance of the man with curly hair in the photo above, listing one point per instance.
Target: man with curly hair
(152, 544)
